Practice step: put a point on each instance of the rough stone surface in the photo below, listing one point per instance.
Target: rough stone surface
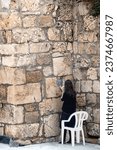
(22, 131)
(51, 125)
(42, 41)
(11, 114)
(24, 94)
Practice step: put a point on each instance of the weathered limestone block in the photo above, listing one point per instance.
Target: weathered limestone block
(10, 61)
(45, 21)
(2, 37)
(65, 12)
(52, 90)
(86, 86)
(89, 110)
(51, 125)
(92, 73)
(81, 100)
(33, 76)
(92, 48)
(32, 117)
(95, 61)
(96, 86)
(12, 76)
(22, 131)
(77, 73)
(54, 34)
(32, 5)
(43, 59)
(87, 37)
(96, 115)
(82, 8)
(6, 49)
(81, 62)
(93, 129)
(21, 49)
(31, 107)
(62, 66)
(40, 47)
(26, 35)
(67, 33)
(29, 21)
(10, 49)
(77, 86)
(12, 114)
(10, 20)
(26, 60)
(91, 99)
(49, 106)
(59, 47)
(3, 92)
(8, 36)
(47, 71)
(90, 23)
(18, 61)
(24, 94)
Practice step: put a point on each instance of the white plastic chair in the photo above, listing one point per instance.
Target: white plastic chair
(80, 116)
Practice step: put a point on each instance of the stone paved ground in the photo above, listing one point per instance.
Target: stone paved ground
(50, 146)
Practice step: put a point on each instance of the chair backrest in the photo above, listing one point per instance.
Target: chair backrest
(80, 116)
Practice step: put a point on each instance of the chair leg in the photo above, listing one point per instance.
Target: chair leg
(62, 135)
(78, 136)
(72, 133)
(83, 137)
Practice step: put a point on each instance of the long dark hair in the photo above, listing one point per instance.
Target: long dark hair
(69, 88)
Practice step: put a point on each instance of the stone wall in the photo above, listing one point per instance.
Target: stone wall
(40, 43)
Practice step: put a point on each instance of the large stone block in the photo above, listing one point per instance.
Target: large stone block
(59, 47)
(28, 35)
(62, 66)
(29, 21)
(19, 61)
(90, 23)
(47, 71)
(96, 86)
(10, 20)
(65, 12)
(22, 131)
(2, 37)
(49, 106)
(81, 100)
(88, 37)
(67, 31)
(92, 73)
(7, 49)
(51, 125)
(40, 47)
(82, 8)
(29, 5)
(12, 114)
(43, 59)
(86, 86)
(52, 90)
(32, 117)
(24, 94)
(93, 129)
(54, 34)
(96, 115)
(91, 99)
(45, 21)
(12, 76)
(33, 76)
(3, 92)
